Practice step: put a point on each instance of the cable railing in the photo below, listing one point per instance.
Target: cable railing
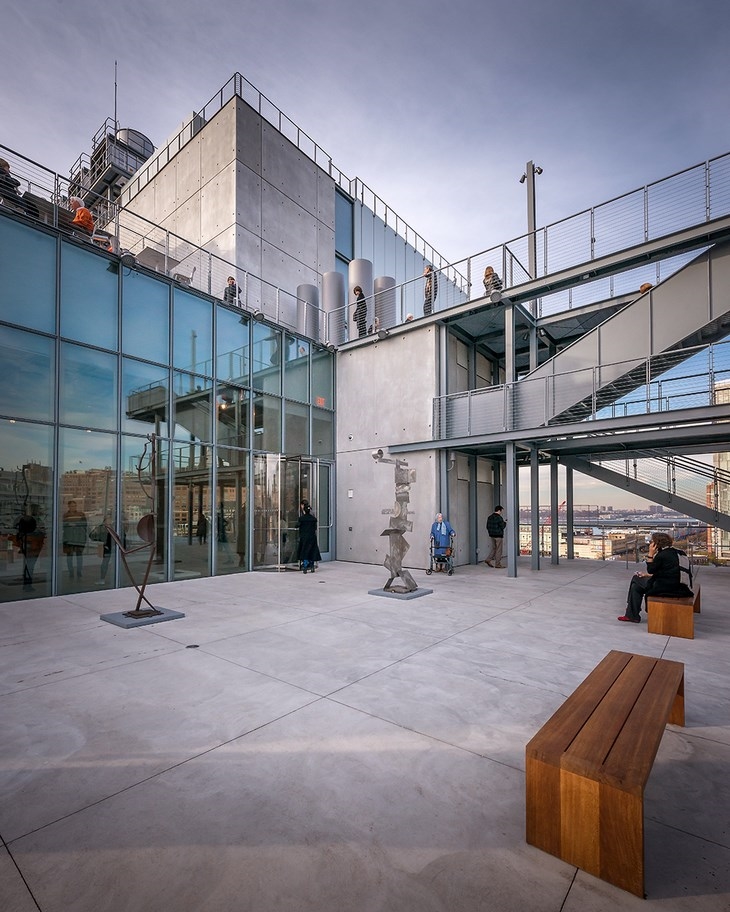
(690, 378)
(691, 479)
(146, 244)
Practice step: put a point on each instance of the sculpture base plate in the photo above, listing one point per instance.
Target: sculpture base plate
(120, 619)
(403, 596)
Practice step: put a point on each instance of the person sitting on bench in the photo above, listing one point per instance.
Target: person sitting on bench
(668, 573)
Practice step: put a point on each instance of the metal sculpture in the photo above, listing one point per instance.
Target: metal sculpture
(398, 525)
(146, 530)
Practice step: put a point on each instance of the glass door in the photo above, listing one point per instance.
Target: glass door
(280, 485)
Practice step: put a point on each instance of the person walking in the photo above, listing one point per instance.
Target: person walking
(441, 533)
(495, 531)
(308, 550)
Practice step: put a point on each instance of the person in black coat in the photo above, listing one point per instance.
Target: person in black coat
(308, 550)
(668, 573)
(361, 312)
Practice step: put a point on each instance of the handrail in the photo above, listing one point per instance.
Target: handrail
(530, 403)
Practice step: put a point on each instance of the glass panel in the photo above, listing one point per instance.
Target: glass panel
(193, 510)
(88, 387)
(28, 374)
(89, 297)
(296, 369)
(323, 509)
(343, 225)
(192, 341)
(322, 379)
(232, 416)
(27, 276)
(232, 336)
(87, 493)
(323, 434)
(145, 317)
(192, 401)
(266, 543)
(145, 391)
(267, 424)
(139, 497)
(231, 512)
(296, 428)
(26, 510)
(266, 358)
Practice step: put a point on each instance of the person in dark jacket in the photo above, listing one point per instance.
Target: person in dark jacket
(308, 550)
(361, 312)
(495, 531)
(668, 573)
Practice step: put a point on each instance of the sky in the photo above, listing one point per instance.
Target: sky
(436, 106)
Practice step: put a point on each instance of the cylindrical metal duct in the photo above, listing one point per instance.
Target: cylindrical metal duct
(384, 299)
(308, 311)
(333, 304)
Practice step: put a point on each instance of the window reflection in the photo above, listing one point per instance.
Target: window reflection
(28, 374)
(323, 434)
(232, 416)
(145, 317)
(192, 400)
(232, 334)
(266, 360)
(145, 390)
(26, 510)
(87, 496)
(27, 276)
(89, 293)
(231, 524)
(193, 337)
(88, 388)
(296, 369)
(267, 423)
(323, 382)
(192, 512)
(296, 427)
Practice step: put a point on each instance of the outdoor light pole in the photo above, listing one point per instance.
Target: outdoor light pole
(531, 169)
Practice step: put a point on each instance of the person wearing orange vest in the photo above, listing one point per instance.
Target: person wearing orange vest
(82, 219)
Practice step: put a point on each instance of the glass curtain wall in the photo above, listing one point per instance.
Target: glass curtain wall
(103, 357)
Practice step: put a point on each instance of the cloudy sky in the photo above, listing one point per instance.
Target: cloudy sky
(435, 106)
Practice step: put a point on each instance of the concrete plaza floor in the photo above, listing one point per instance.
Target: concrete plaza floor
(294, 744)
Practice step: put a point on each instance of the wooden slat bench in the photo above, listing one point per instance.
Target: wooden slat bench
(587, 766)
(673, 616)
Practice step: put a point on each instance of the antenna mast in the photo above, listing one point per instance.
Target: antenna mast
(116, 122)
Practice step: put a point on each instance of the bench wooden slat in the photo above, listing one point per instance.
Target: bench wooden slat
(587, 766)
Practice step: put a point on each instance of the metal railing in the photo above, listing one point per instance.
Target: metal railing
(165, 252)
(645, 387)
(691, 479)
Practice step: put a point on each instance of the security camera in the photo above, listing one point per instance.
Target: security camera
(377, 455)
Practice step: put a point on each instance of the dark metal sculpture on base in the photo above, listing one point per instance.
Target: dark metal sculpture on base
(399, 524)
(146, 530)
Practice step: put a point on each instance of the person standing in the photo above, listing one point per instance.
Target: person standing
(201, 528)
(75, 532)
(668, 573)
(430, 290)
(308, 549)
(492, 281)
(495, 530)
(230, 293)
(361, 312)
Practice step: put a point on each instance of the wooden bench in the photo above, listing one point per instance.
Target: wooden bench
(587, 766)
(673, 616)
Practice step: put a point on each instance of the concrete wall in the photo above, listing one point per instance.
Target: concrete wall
(243, 191)
(384, 396)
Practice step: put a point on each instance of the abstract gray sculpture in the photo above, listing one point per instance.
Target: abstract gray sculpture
(399, 524)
